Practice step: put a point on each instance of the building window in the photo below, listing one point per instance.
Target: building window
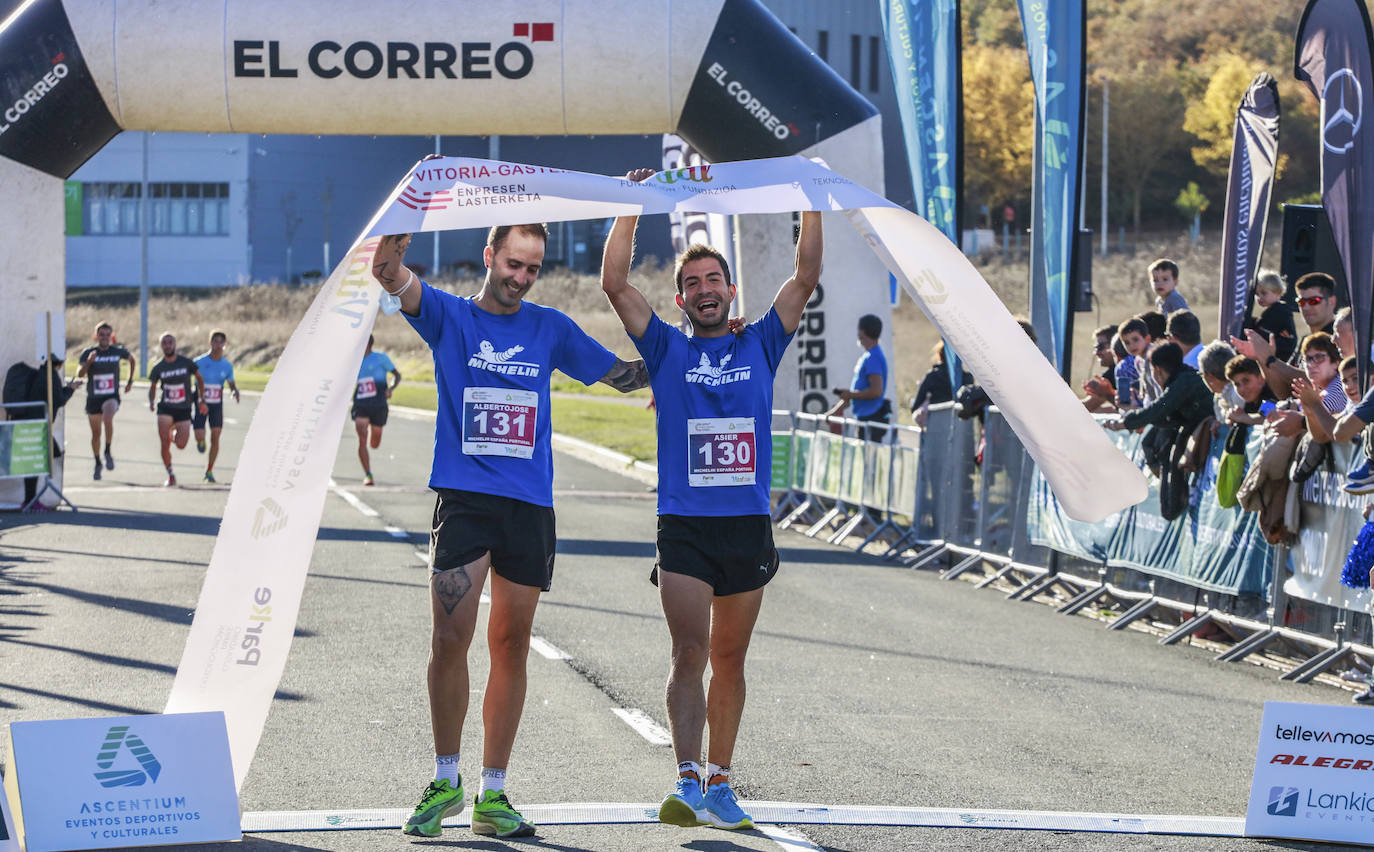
(823, 45)
(174, 209)
(856, 44)
(874, 52)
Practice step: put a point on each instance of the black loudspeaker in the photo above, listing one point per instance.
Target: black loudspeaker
(1081, 296)
(1308, 247)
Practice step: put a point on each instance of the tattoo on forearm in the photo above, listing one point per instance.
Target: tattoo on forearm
(450, 586)
(626, 376)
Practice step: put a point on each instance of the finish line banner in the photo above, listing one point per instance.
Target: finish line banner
(239, 639)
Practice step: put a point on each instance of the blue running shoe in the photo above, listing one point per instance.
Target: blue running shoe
(1361, 479)
(723, 811)
(685, 806)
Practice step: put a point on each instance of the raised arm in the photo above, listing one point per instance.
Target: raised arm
(797, 290)
(388, 267)
(629, 304)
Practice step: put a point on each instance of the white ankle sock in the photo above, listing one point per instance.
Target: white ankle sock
(493, 779)
(712, 770)
(446, 767)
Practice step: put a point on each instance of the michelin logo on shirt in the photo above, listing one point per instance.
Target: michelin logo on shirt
(487, 358)
(711, 375)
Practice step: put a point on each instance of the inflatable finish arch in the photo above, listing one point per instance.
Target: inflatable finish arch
(723, 74)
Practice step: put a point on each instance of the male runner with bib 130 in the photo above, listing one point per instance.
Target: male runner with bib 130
(714, 394)
(493, 471)
(176, 373)
(216, 373)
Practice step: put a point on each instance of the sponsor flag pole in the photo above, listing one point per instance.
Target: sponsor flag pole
(1254, 153)
(923, 46)
(1333, 59)
(1055, 34)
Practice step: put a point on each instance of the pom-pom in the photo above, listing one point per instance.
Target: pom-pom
(1355, 574)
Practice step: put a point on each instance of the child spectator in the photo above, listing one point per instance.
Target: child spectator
(1136, 337)
(1124, 376)
(1164, 279)
(1276, 316)
(1184, 329)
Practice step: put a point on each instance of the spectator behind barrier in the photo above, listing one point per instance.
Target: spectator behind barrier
(1100, 391)
(1184, 405)
(35, 389)
(868, 390)
(1138, 339)
(1247, 379)
(1186, 401)
(1124, 376)
(1276, 315)
(1184, 329)
(1212, 367)
(935, 387)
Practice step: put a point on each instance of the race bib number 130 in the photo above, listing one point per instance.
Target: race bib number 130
(720, 451)
(499, 422)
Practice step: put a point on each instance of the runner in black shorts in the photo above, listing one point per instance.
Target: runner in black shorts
(101, 364)
(370, 403)
(493, 356)
(175, 372)
(714, 395)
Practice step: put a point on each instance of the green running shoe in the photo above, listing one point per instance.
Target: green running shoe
(493, 815)
(439, 800)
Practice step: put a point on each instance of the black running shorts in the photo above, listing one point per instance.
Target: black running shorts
(178, 413)
(518, 535)
(731, 555)
(375, 412)
(96, 404)
(214, 414)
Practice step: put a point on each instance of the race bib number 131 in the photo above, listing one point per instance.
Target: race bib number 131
(499, 422)
(720, 451)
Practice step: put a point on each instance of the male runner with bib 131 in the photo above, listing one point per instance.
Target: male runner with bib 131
(102, 389)
(493, 471)
(370, 405)
(175, 372)
(216, 373)
(714, 393)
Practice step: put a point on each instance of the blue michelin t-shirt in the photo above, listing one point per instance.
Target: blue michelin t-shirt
(493, 370)
(371, 387)
(714, 397)
(214, 374)
(870, 363)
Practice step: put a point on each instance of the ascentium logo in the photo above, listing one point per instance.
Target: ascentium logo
(117, 739)
(269, 518)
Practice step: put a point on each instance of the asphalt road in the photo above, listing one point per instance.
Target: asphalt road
(869, 685)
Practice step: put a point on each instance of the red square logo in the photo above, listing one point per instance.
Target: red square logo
(522, 31)
(543, 32)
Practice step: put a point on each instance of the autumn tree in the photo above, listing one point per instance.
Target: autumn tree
(999, 125)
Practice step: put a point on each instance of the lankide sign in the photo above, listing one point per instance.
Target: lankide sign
(1314, 774)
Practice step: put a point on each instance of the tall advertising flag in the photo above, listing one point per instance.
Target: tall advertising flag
(923, 46)
(1054, 31)
(1333, 59)
(1253, 154)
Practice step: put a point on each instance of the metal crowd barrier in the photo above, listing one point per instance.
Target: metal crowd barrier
(957, 496)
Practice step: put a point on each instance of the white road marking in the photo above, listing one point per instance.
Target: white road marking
(396, 532)
(546, 649)
(354, 501)
(644, 726)
(787, 839)
(423, 556)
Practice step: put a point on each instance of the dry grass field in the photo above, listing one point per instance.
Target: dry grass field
(260, 318)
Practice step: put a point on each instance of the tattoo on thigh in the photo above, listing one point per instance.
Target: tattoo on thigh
(450, 586)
